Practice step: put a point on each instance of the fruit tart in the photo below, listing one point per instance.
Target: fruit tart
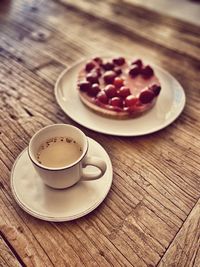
(118, 88)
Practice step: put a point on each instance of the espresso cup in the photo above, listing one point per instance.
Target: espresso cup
(65, 176)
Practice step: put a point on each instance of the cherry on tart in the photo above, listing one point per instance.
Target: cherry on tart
(138, 62)
(89, 66)
(117, 88)
(118, 82)
(146, 96)
(109, 76)
(102, 97)
(98, 60)
(84, 86)
(92, 77)
(116, 102)
(119, 61)
(94, 89)
(156, 89)
(108, 66)
(110, 90)
(130, 101)
(134, 71)
(147, 72)
(124, 92)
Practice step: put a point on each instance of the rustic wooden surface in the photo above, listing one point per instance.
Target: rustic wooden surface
(151, 217)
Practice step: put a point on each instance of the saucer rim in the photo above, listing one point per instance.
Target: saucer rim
(53, 218)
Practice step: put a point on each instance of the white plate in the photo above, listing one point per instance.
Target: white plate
(57, 205)
(170, 104)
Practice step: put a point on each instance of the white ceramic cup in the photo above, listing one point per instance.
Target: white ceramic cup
(69, 175)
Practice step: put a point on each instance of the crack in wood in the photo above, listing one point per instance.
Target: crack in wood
(13, 116)
(30, 114)
(2, 185)
(45, 64)
(12, 249)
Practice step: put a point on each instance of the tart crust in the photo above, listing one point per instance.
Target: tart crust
(109, 113)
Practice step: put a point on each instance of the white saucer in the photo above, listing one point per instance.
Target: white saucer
(170, 104)
(55, 205)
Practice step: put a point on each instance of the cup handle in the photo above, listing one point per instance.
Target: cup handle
(96, 162)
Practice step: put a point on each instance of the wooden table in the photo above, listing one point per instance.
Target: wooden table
(151, 216)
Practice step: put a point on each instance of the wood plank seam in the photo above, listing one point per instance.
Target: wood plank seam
(60, 232)
(159, 193)
(149, 234)
(164, 187)
(37, 240)
(12, 249)
(46, 64)
(99, 247)
(145, 191)
(9, 198)
(177, 233)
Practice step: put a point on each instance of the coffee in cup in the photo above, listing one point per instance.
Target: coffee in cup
(58, 151)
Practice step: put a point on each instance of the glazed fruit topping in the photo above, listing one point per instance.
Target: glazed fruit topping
(147, 72)
(146, 96)
(102, 97)
(131, 100)
(110, 90)
(108, 66)
(119, 61)
(92, 77)
(156, 89)
(89, 66)
(94, 89)
(109, 76)
(84, 86)
(107, 84)
(124, 92)
(134, 71)
(116, 102)
(118, 82)
(137, 62)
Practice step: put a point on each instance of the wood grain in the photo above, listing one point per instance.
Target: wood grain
(184, 250)
(151, 214)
